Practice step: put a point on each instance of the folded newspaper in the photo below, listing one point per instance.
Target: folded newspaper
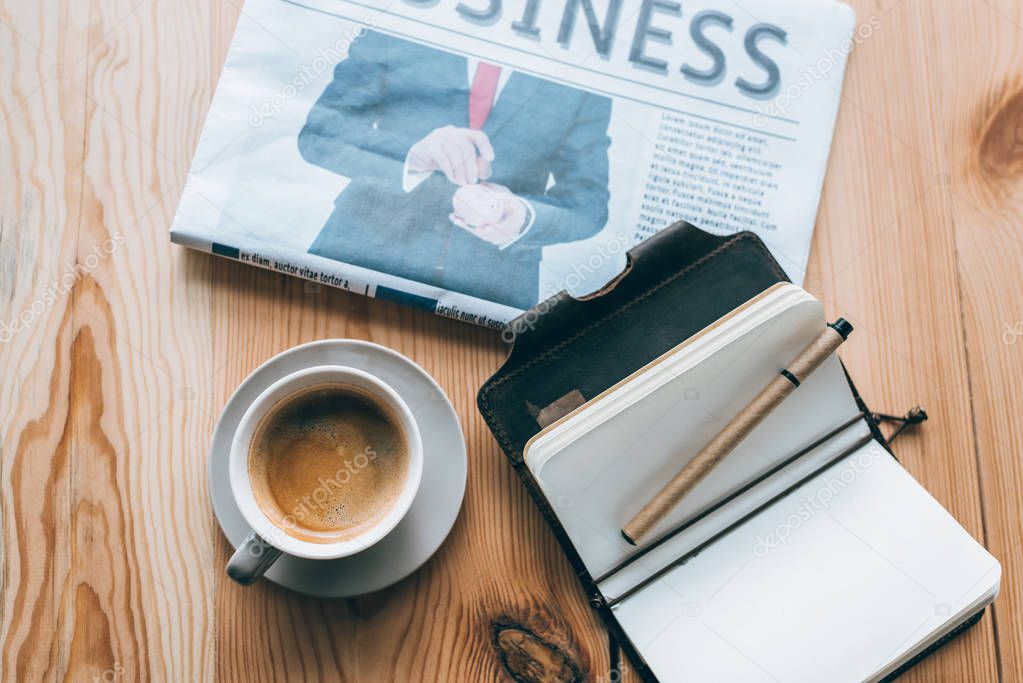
(474, 157)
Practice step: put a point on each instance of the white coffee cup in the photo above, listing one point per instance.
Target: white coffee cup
(267, 541)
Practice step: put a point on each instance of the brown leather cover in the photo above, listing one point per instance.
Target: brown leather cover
(568, 350)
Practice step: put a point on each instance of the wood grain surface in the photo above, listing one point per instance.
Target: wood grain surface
(127, 348)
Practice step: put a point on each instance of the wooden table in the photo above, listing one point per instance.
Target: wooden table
(112, 562)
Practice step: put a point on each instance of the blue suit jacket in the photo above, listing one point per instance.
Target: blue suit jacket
(550, 144)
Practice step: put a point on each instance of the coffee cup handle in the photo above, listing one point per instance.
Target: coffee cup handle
(252, 559)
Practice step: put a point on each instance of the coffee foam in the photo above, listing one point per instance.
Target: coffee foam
(328, 462)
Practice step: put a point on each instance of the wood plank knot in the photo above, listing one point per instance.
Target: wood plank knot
(530, 659)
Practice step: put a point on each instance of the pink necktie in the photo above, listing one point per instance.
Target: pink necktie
(481, 94)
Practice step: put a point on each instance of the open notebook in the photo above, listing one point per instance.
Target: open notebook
(846, 578)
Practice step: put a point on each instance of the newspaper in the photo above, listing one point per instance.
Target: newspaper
(475, 157)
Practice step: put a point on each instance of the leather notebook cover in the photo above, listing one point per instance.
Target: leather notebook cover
(567, 351)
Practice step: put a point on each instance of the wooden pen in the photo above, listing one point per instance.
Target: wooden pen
(738, 429)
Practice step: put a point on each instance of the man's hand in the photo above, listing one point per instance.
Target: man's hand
(490, 212)
(463, 155)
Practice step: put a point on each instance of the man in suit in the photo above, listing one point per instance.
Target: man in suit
(461, 171)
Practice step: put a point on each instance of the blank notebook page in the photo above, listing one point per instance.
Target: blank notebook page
(855, 584)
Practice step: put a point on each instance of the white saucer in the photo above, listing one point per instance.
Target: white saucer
(434, 510)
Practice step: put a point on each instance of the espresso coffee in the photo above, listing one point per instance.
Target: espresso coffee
(328, 462)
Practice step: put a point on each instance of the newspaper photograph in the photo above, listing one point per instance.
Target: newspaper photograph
(474, 157)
